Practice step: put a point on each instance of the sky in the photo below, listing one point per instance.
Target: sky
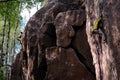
(25, 17)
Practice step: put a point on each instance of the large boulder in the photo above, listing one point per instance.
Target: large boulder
(54, 46)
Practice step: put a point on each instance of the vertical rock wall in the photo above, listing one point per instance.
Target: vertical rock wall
(105, 48)
(55, 46)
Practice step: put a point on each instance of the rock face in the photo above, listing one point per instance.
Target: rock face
(54, 46)
(63, 64)
(16, 73)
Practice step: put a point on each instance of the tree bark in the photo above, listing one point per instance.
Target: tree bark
(3, 34)
(105, 54)
(7, 51)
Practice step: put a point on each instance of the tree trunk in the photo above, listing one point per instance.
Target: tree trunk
(3, 34)
(106, 54)
(15, 31)
(7, 51)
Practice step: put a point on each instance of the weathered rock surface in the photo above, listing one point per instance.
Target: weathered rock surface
(81, 46)
(16, 73)
(55, 46)
(63, 64)
(64, 22)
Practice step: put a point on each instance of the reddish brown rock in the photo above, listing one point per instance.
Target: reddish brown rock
(71, 17)
(64, 22)
(56, 24)
(80, 44)
(63, 64)
(16, 71)
(39, 34)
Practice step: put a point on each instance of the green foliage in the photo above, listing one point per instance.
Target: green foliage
(11, 11)
(43, 3)
(2, 75)
(95, 27)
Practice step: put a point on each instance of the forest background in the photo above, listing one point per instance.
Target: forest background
(13, 17)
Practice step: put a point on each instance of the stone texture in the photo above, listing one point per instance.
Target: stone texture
(54, 46)
(105, 53)
(39, 34)
(16, 73)
(63, 64)
(80, 44)
(64, 22)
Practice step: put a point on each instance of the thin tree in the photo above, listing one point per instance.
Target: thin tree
(16, 27)
(3, 35)
(7, 50)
